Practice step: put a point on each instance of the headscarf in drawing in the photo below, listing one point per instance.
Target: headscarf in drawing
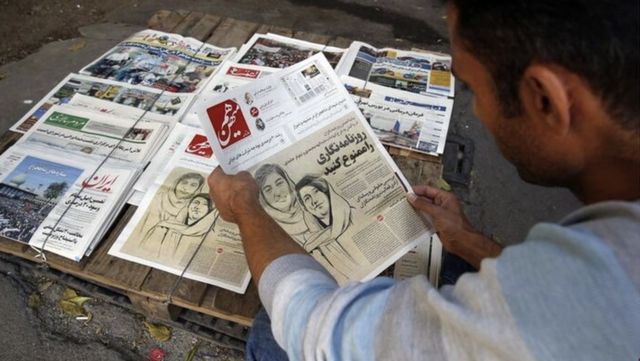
(172, 205)
(292, 218)
(340, 213)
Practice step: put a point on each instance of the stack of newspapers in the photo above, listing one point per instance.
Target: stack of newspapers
(86, 143)
(150, 119)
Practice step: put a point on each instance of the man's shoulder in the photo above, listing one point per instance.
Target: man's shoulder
(575, 275)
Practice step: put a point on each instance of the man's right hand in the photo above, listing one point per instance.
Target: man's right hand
(457, 234)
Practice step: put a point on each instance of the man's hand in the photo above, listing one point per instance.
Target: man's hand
(235, 196)
(457, 234)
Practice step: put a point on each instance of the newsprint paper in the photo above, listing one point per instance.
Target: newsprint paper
(160, 60)
(177, 228)
(57, 200)
(106, 96)
(323, 175)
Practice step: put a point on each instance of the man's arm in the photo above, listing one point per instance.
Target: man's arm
(457, 234)
(236, 198)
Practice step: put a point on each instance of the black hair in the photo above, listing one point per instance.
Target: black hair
(596, 40)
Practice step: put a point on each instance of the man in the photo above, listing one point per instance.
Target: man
(557, 85)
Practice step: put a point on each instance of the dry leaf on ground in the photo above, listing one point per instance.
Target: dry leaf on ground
(159, 332)
(72, 304)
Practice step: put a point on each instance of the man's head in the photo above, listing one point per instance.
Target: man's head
(554, 81)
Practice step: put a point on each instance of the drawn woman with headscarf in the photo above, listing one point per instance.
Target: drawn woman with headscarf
(278, 198)
(331, 218)
(169, 205)
(175, 236)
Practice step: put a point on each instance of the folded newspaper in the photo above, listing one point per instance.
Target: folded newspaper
(323, 175)
(177, 228)
(160, 60)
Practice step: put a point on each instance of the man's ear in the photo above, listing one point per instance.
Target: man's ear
(545, 97)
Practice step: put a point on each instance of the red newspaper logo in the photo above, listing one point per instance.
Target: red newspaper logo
(200, 146)
(228, 123)
(243, 72)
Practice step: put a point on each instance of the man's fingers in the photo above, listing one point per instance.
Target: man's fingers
(428, 191)
(424, 204)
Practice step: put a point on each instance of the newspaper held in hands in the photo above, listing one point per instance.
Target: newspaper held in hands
(177, 228)
(160, 60)
(324, 176)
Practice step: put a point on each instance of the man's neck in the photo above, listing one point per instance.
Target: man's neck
(607, 180)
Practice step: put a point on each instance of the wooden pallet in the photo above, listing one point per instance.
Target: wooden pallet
(148, 289)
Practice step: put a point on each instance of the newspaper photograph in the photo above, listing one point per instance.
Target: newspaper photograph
(177, 228)
(277, 51)
(57, 201)
(411, 71)
(323, 175)
(133, 100)
(83, 133)
(404, 120)
(160, 60)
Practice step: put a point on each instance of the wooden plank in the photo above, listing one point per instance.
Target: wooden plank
(154, 309)
(280, 30)
(187, 23)
(312, 37)
(404, 152)
(208, 305)
(246, 305)
(13, 247)
(165, 20)
(232, 32)
(340, 42)
(159, 284)
(8, 139)
(204, 27)
(111, 270)
(418, 171)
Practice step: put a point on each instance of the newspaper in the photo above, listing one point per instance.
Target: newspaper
(229, 76)
(158, 162)
(87, 134)
(59, 201)
(121, 99)
(277, 51)
(160, 60)
(420, 262)
(415, 72)
(177, 228)
(323, 175)
(404, 119)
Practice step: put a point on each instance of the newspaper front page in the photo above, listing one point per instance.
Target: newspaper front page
(58, 201)
(160, 60)
(323, 175)
(177, 228)
(404, 119)
(278, 52)
(83, 133)
(119, 98)
(412, 71)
